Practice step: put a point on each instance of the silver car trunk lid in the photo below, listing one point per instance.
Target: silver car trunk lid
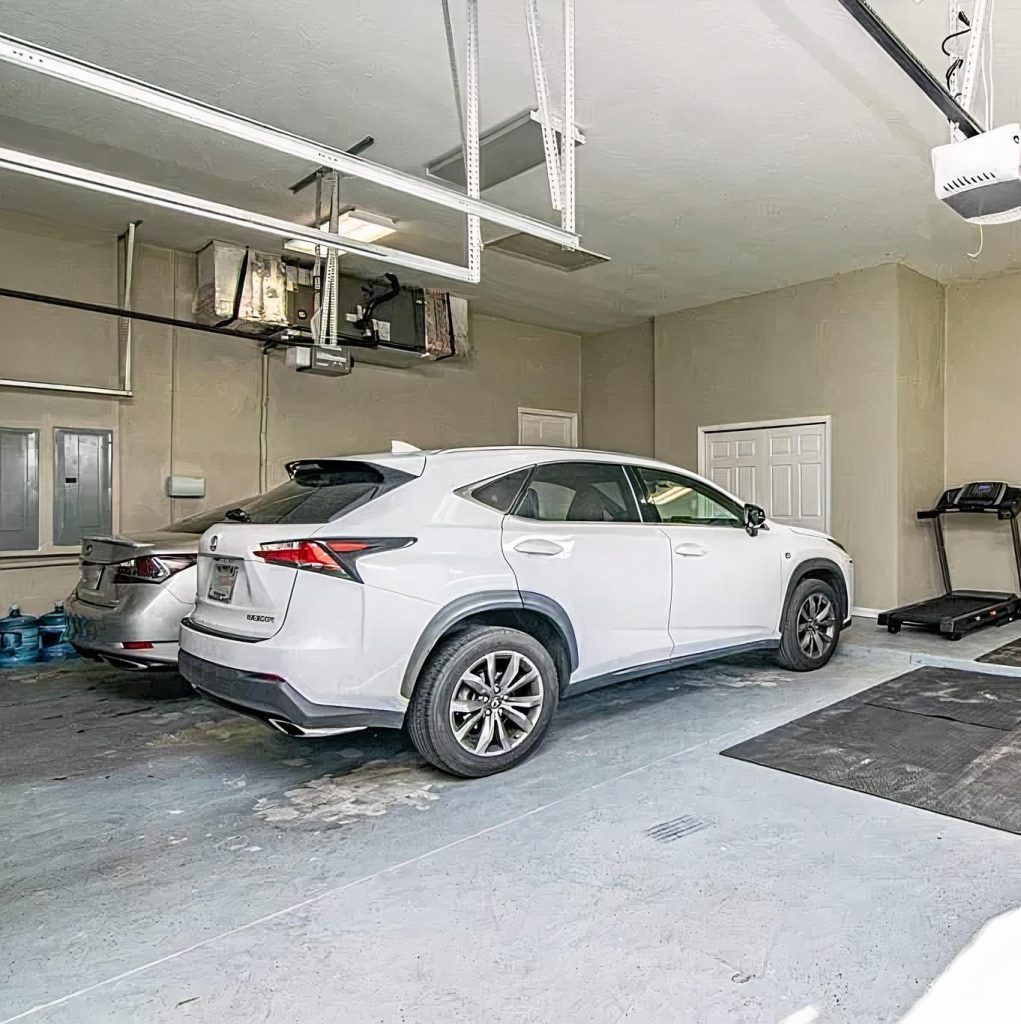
(101, 554)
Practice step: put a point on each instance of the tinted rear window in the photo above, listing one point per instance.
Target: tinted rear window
(501, 492)
(318, 492)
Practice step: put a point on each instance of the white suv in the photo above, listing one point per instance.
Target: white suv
(463, 593)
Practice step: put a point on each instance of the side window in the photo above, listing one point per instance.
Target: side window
(673, 499)
(578, 492)
(501, 492)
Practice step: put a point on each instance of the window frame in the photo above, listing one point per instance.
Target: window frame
(629, 493)
(645, 506)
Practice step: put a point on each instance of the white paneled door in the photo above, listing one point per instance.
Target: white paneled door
(782, 467)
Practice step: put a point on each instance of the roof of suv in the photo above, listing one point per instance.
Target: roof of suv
(516, 454)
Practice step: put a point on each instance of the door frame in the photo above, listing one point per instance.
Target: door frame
(572, 417)
(794, 421)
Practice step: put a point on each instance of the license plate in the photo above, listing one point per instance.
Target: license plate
(225, 575)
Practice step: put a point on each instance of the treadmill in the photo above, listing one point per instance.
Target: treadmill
(957, 612)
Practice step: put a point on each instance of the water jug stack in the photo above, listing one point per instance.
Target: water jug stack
(19, 639)
(54, 645)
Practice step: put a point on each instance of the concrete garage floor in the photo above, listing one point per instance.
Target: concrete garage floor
(164, 860)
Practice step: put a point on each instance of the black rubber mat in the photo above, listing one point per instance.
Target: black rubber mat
(1008, 654)
(935, 738)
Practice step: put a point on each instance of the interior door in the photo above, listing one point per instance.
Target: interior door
(782, 468)
(575, 535)
(726, 586)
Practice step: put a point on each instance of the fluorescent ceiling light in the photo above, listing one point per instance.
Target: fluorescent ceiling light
(505, 151)
(358, 225)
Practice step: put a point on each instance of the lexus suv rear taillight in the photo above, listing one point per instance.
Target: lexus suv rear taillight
(332, 557)
(152, 568)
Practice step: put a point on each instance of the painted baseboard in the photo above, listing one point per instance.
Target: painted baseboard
(867, 613)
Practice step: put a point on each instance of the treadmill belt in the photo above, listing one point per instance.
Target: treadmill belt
(947, 606)
(935, 738)
(1008, 654)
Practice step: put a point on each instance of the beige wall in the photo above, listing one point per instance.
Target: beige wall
(982, 404)
(197, 406)
(920, 413)
(824, 348)
(618, 390)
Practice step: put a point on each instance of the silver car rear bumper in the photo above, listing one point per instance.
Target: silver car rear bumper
(144, 612)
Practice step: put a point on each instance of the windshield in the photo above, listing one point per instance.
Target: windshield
(318, 492)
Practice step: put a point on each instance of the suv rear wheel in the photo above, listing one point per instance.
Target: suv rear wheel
(811, 628)
(483, 702)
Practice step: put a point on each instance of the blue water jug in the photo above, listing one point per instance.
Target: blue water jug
(19, 639)
(53, 636)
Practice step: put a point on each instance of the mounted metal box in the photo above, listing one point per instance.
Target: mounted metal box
(242, 288)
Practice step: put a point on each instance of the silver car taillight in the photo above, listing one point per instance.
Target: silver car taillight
(152, 568)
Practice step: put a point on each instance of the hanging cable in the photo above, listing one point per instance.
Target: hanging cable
(957, 60)
(981, 242)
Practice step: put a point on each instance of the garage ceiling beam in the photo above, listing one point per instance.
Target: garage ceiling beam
(136, 191)
(89, 76)
(912, 67)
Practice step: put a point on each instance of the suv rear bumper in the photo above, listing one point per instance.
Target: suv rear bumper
(276, 702)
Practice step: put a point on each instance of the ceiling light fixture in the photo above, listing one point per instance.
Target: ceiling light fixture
(358, 225)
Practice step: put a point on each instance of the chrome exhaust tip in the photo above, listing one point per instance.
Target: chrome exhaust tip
(290, 729)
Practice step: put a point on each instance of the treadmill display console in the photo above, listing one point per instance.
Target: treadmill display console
(980, 495)
(991, 496)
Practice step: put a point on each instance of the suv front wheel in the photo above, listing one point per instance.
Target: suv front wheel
(811, 627)
(483, 702)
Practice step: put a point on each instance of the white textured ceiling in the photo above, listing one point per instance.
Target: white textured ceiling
(733, 147)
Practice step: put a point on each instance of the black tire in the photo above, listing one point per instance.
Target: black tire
(818, 651)
(429, 716)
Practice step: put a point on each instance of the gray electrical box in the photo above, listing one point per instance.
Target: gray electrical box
(82, 486)
(19, 490)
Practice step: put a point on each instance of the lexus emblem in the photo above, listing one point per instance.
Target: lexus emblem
(213, 542)
(88, 549)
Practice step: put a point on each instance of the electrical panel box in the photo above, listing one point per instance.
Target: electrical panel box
(19, 489)
(82, 487)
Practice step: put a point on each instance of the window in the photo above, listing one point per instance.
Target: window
(501, 493)
(82, 487)
(581, 492)
(19, 490)
(318, 492)
(673, 499)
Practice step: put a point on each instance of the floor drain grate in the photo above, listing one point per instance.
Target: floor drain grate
(676, 828)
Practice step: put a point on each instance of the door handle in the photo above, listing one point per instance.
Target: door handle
(538, 546)
(690, 550)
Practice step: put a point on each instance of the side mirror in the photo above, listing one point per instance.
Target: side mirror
(754, 519)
